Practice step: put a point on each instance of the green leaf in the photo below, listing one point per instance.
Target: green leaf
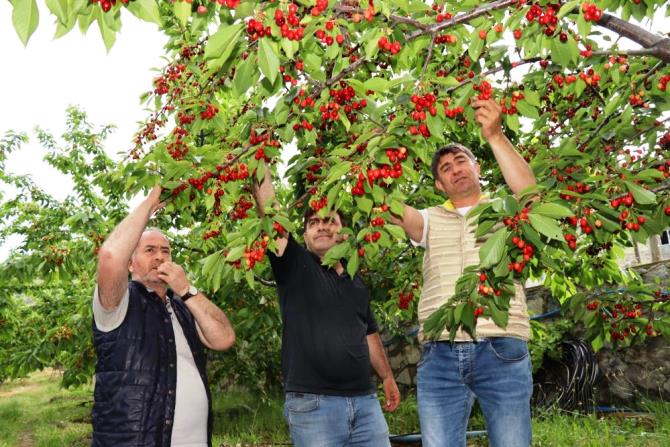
(641, 195)
(546, 226)
(476, 44)
(108, 34)
(210, 262)
(268, 60)
(531, 236)
(532, 97)
(397, 207)
(336, 172)
(377, 84)
(182, 11)
(551, 210)
(60, 10)
(235, 253)
(583, 26)
(25, 18)
(568, 8)
(527, 110)
(246, 75)
(435, 126)
(146, 10)
(336, 252)
(313, 65)
(395, 230)
(86, 19)
(493, 249)
(560, 53)
(352, 264)
(498, 316)
(221, 44)
(364, 204)
(289, 47)
(612, 104)
(512, 122)
(484, 227)
(372, 39)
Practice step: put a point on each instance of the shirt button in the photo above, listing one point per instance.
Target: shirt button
(171, 340)
(166, 320)
(168, 421)
(170, 392)
(171, 365)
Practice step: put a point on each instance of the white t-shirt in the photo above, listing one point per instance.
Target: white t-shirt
(424, 214)
(191, 406)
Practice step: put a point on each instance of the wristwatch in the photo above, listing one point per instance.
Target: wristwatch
(192, 291)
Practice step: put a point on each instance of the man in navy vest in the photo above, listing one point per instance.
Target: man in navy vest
(151, 384)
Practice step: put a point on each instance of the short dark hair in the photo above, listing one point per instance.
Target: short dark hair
(450, 148)
(309, 212)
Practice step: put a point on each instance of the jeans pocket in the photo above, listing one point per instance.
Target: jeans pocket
(301, 402)
(426, 349)
(509, 349)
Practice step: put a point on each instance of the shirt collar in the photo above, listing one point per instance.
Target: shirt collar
(448, 204)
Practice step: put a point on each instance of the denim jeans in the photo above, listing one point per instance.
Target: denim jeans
(497, 371)
(317, 420)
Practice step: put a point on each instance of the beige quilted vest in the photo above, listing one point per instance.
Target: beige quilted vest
(450, 247)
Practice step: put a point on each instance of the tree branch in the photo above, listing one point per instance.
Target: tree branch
(393, 17)
(461, 18)
(659, 46)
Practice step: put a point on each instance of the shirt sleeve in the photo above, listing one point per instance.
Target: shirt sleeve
(372, 323)
(284, 265)
(424, 236)
(108, 320)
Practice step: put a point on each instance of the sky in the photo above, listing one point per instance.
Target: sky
(38, 82)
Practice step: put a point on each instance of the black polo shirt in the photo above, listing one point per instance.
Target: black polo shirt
(326, 318)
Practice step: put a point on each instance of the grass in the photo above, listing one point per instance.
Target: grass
(37, 412)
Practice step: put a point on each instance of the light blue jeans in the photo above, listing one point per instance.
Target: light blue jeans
(497, 371)
(317, 420)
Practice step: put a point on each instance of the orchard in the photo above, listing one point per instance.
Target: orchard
(354, 97)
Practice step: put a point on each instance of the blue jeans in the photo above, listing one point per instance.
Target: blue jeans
(317, 420)
(497, 371)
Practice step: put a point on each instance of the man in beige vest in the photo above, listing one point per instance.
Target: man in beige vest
(496, 368)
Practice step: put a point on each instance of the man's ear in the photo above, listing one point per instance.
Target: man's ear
(438, 185)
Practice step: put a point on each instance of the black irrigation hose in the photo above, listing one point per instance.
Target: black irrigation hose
(568, 382)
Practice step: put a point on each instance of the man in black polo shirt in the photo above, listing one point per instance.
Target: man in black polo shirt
(330, 341)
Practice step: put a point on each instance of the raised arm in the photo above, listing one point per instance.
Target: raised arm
(518, 174)
(115, 253)
(264, 192)
(411, 221)
(381, 366)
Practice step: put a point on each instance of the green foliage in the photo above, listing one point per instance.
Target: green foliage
(238, 93)
(48, 280)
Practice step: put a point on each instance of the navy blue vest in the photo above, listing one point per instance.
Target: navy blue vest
(136, 373)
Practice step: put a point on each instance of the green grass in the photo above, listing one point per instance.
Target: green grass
(240, 417)
(37, 412)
